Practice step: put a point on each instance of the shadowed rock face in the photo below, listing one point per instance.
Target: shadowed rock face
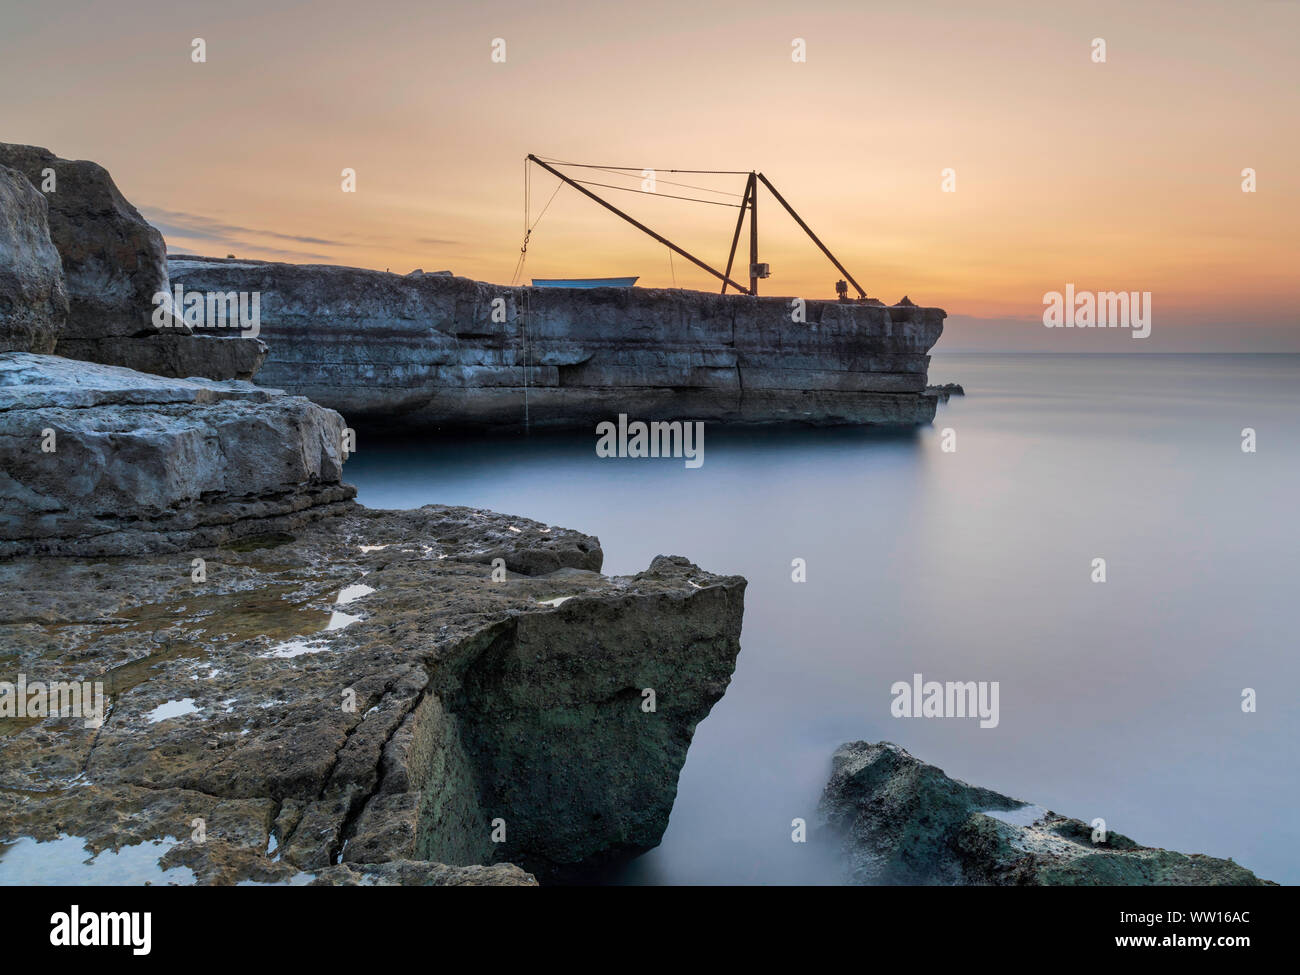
(443, 351)
(114, 263)
(360, 702)
(113, 260)
(141, 463)
(33, 303)
(901, 821)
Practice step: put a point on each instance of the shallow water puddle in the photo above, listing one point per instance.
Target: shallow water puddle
(65, 861)
(188, 628)
(346, 595)
(353, 592)
(172, 709)
(337, 621)
(296, 648)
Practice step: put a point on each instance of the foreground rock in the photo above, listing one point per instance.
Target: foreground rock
(103, 460)
(358, 702)
(442, 351)
(114, 263)
(33, 304)
(904, 822)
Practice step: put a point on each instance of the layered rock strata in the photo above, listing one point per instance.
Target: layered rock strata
(449, 352)
(901, 821)
(196, 684)
(98, 460)
(360, 701)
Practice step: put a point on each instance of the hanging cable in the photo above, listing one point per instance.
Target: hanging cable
(629, 189)
(705, 172)
(528, 231)
(528, 315)
(669, 182)
(524, 305)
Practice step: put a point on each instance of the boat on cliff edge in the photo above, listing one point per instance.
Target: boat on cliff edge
(585, 282)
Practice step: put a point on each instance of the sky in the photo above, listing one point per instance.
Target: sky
(1117, 175)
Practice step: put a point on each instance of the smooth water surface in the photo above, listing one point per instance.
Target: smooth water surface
(1119, 700)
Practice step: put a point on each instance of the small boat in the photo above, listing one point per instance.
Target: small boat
(584, 282)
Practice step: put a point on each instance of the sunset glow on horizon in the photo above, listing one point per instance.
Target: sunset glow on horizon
(1123, 175)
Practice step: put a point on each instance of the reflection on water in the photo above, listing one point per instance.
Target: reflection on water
(67, 861)
(172, 709)
(1118, 700)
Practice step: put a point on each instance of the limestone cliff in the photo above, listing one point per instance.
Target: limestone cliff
(441, 351)
(216, 668)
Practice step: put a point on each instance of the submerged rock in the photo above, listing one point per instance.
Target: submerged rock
(942, 392)
(440, 351)
(114, 263)
(33, 302)
(901, 821)
(361, 701)
(101, 460)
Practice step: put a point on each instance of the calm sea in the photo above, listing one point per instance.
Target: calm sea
(1119, 700)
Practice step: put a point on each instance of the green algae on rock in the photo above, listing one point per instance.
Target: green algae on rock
(900, 821)
(382, 747)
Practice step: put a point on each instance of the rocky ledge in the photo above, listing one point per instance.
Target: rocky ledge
(437, 350)
(445, 695)
(215, 667)
(99, 459)
(903, 822)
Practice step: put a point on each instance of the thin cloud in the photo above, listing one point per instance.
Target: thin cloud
(254, 251)
(198, 227)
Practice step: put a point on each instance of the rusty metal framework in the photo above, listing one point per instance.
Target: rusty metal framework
(748, 205)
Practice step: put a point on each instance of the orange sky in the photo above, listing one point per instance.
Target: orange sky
(1116, 176)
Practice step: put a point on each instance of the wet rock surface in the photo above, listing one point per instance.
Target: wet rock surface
(114, 263)
(358, 702)
(33, 302)
(901, 821)
(99, 459)
(435, 350)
